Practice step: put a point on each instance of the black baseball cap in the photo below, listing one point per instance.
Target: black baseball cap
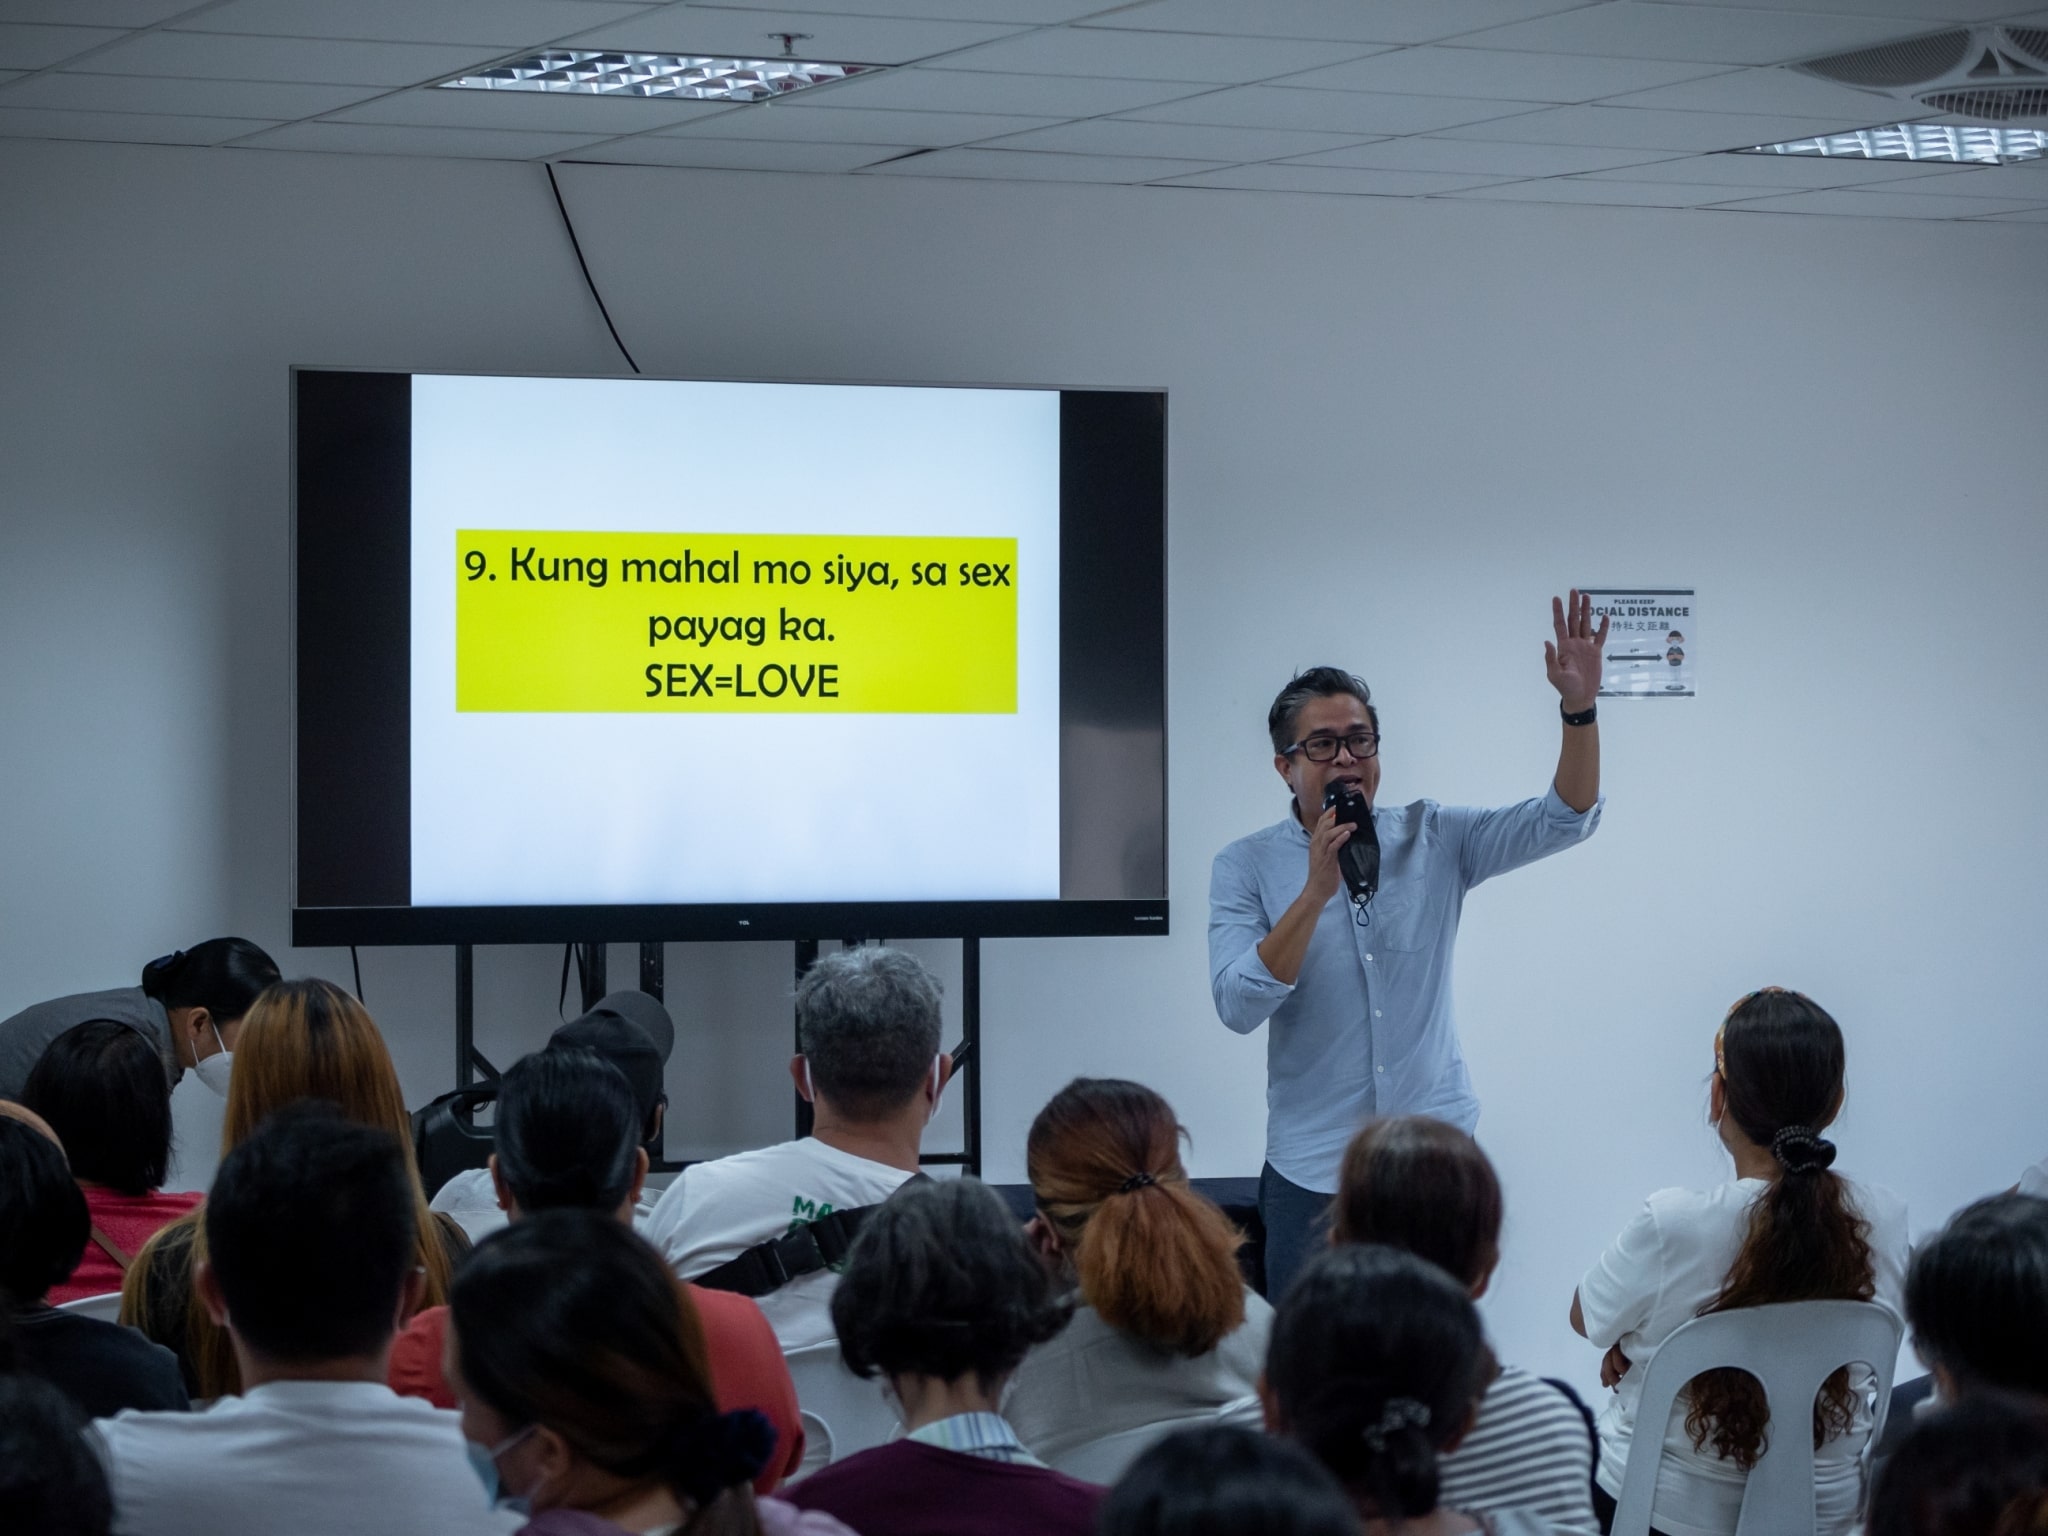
(635, 1034)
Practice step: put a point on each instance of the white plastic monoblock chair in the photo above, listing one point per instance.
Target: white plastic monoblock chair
(107, 1307)
(1792, 1348)
(841, 1412)
(1104, 1461)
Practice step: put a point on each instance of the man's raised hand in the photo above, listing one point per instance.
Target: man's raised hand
(1573, 659)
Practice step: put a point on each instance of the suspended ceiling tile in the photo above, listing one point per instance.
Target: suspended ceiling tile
(1124, 136)
(1882, 203)
(2028, 216)
(1492, 72)
(530, 112)
(1613, 194)
(1636, 29)
(123, 14)
(164, 94)
(1145, 55)
(482, 23)
(848, 125)
(1033, 13)
(1382, 21)
(392, 139)
(1786, 171)
(1642, 128)
(38, 47)
(840, 39)
(739, 154)
(121, 127)
(952, 90)
(2028, 178)
(317, 62)
(1333, 180)
(1359, 112)
(1771, 89)
(1926, 14)
(1023, 165)
(1472, 157)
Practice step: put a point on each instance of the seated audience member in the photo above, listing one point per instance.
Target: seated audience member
(1977, 1467)
(101, 1366)
(101, 1087)
(188, 1006)
(867, 1022)
(1225, 1480)
(568, 1137)
(1787, 1228)
(301, 1040)
(942, 1297)
(1415, 1183)
(628, 1029)
(312, 1254)
(587, 1395)
(1165, 1328)
(1376, 1368)
(51, 1483)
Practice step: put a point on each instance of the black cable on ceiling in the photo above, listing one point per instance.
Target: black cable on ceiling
(577, 246)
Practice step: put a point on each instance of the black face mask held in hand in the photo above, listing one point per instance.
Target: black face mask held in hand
(1359, 859)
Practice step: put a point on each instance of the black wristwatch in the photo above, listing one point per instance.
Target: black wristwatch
(1585, 716)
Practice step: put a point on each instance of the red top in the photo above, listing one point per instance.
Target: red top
(747, 1370)
(908, 1488)
(128, 1221)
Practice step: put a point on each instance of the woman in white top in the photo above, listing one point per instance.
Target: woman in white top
(1785, 1229)
(1165, 1328)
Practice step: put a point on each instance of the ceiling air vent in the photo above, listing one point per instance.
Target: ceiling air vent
(1991, 74)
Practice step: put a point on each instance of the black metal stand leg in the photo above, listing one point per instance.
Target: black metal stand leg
(970, 1025)
(653, 970)
(590, 966)
(806, 957)
(469, 1061)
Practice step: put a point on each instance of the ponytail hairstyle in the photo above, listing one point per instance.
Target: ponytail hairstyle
(1154, 1259)
(1375, 1366)
(223, 976)
(1780, 1062)
(1412, 1182)
(568, 1319)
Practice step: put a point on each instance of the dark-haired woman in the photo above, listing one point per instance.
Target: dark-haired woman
(1376, 1369)
(188, 1006)
(1786, 1228)
(1415, 1183)
(1226, 1480)
(1978, 1467)
(586, 1393)
(1164, 1327)
(102, 1088)
(942, 1297)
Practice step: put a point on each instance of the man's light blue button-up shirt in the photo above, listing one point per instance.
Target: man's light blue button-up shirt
(1367, 1028)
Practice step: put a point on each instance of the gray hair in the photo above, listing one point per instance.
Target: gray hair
(867, 1021)
(1314, 683)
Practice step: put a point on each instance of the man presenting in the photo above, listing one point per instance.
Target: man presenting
(1360, 999)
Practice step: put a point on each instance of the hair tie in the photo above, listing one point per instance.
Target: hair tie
(1399, 1414)
(1801, 1149)
(1136, 1181)
(722, 1452)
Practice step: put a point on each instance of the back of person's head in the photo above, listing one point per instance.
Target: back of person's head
(1375, 1367)
(223, 976)
(102, 1087)
(1412, 1182)
(51, 1483)
(1976, 1468)
(1153, 1258)
(568, 1131)
(1779, 1069)
(1977, 1295)
(568, 1321)
(1314, 683)
(634, 1033)
(867, 1022)
(1225, 1480)
(44, 1224)
(311, 1236)
(941, 1283)
(310, 1040)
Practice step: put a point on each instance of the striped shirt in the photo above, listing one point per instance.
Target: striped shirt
(987, 1435)
(1530, 1449)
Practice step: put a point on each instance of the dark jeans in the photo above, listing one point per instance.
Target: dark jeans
(1297, 1228)
(1603, 1511)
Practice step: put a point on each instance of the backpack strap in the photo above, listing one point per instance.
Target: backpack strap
(113, 1251)
(805, 1249)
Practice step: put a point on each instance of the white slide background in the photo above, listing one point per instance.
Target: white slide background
(557, 809)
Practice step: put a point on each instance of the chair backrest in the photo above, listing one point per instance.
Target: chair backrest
(1792, 1348)
(841, 1412)
(107, 1307)
(1103, 1461)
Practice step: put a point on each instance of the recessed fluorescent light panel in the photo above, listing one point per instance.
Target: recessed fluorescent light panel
(1953, 143)
(691, 76)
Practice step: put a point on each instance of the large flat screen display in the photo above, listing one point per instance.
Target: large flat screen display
(667, 659)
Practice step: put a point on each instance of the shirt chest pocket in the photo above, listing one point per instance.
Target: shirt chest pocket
(1399, 919)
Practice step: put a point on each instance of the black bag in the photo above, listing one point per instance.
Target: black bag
(446, 1139)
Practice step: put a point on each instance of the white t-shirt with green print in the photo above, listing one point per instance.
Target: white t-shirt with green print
(716, 1211)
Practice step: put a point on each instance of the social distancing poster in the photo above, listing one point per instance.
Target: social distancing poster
(1652, 641)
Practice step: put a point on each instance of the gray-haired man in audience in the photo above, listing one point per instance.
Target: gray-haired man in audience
(775, 1223)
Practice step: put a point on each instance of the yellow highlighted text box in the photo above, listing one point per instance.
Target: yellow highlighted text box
(559, 622)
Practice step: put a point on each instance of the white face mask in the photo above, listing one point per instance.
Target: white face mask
(214, 1070)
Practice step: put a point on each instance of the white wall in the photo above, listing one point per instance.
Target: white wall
(1396, 430)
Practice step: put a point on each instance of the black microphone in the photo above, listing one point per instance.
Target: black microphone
(1359, 859)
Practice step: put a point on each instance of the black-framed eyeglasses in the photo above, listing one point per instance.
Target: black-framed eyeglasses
(1323, 749)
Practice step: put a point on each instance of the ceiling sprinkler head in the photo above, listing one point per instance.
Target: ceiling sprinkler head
(789, 41)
